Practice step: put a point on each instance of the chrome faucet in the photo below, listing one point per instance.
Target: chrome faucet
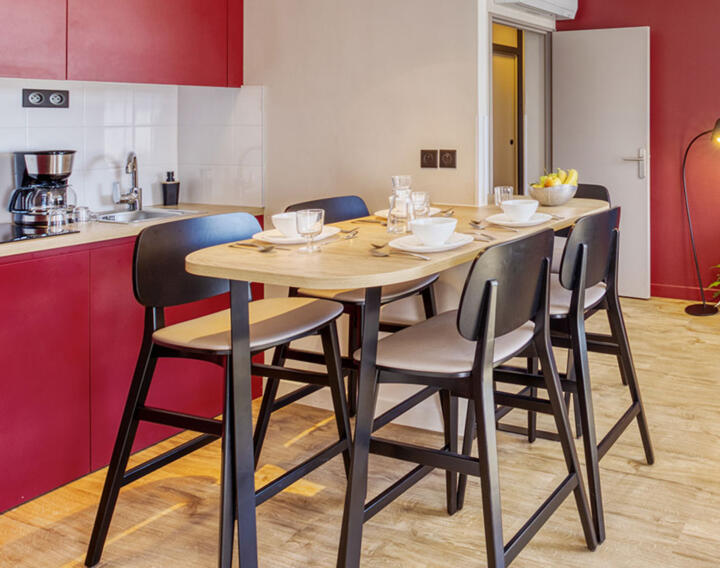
(133, 198)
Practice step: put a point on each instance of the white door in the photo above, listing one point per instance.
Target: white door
(601, 127)
(505, 114)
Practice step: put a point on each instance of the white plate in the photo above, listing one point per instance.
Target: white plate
(412, 243)
(277, 238)
(384, 212)
(504, 220)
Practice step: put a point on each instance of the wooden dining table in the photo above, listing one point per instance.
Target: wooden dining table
(340, 264)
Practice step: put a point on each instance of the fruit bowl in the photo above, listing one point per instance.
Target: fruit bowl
(553, 195)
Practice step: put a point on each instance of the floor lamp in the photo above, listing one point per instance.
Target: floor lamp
(703, 309)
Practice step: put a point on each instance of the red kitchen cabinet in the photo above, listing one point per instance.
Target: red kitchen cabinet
(235, 43)
(32, 42)
(179, 42)
(44, 385)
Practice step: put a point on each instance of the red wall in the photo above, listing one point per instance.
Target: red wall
(685, 100)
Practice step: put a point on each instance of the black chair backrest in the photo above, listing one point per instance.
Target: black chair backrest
(590, 191)
(336, 208)
(159, 276)
(518, 267)
(597, 233)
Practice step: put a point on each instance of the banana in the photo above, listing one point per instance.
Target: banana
(562, 174)
(572, 177)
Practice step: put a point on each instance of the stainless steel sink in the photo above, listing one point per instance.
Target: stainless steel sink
(142, 215)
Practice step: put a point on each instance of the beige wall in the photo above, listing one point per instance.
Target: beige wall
(354, 90)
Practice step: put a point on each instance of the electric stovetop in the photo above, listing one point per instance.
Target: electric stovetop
(10, 233)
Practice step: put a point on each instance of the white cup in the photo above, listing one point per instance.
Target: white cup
(286, 223)
(519, 209)
(433, 231)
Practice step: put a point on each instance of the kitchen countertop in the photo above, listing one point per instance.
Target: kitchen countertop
(94, 231)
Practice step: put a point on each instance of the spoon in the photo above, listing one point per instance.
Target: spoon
(259, 248)
(383, 223)
(350, 231)
(379, 253)
(377, 246)
(449, 212)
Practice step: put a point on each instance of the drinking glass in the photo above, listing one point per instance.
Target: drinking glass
(401, 211)
(57, 220)
(401, 182)
(421, 203)
(310, 225)
(503, 193)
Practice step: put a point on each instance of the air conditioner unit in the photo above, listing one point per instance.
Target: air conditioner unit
(561, 9)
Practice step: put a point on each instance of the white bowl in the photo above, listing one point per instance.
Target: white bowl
(433, 231)
(286, 223)
(519, 209)
(553, 195)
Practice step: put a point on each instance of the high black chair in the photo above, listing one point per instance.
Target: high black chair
(584, 191)
(342, 209)
(503, 313)
(587, 284)
(160, 281)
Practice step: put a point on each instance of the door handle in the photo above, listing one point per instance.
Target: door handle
(641, 160)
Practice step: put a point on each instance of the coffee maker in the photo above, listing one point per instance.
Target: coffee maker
(41, 179)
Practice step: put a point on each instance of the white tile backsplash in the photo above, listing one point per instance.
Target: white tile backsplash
(212, 138)
(108, 105)
(221, 160)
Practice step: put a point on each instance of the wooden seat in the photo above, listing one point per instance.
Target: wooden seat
(160, 280)
(503, 313)
(435, 346)
(274, 321)
(561, 297)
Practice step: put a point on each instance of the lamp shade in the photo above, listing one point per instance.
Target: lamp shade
(716, 131)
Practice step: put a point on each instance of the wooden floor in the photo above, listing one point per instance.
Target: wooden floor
(665, 516)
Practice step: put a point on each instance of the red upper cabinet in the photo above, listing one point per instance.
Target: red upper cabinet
(179, 42)
(32, 42)
(235, 43)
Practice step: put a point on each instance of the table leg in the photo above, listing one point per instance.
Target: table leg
(242, 438)
(354, 512)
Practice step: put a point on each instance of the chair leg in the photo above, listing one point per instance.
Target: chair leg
(569, 397)
(587, 419)
(429, 303)
(354, 342)
(227, 501)
(266, 406)
(619, 333)
(333, 362)
(468, 438)
(562, 423)
(532, 367)
(121, 452)
(449, 406)
(489, 476)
